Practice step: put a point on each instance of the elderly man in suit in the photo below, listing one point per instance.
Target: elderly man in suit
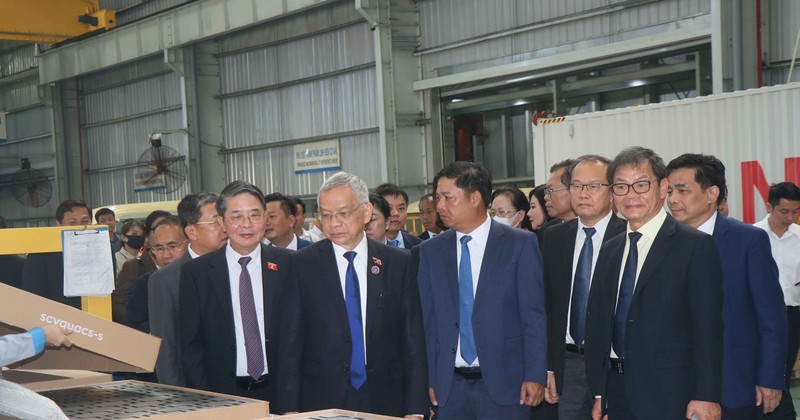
(482, 304)
(230, 301)
(754, 340)
(198, 215)
(654, 320)
(569, 252)
(352, 335)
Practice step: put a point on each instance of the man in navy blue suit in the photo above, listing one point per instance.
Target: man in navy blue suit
(754, 338)
(482, 304)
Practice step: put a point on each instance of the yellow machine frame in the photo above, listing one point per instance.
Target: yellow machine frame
(51, 21)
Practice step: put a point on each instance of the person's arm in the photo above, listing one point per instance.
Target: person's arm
(191, 345)
(163, 315)
(16, 347)
(290, 346)
(414, 353)
(422, 267)
(136, 313)
(530, 299)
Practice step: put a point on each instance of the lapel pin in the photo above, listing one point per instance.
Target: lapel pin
(272, 266)
(376, 270)
(376, 261)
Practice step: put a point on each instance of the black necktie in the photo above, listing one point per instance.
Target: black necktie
(625, 295)
(252, 333)
(580, 289)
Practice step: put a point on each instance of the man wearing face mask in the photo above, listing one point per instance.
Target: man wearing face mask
(509, 207)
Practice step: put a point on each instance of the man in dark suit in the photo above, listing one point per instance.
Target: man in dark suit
(281, 221)
(483, 305)
(43, 273)
(754, 340)
(198, 215)
(398, 203)
(352, 335)
(230, 300)
(430, 218)
(654, 319)
(569, 252)
(556, 197)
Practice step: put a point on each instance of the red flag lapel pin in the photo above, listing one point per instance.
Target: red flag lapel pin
(272, 266)
(376, 268)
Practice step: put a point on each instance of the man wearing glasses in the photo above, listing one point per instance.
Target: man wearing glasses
(570, 252)
(230, 300)
(556, 196)
(654, 320)
(198, 216)
(352, 335)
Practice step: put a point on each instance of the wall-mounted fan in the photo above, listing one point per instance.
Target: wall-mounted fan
(31, 187)
(160, 168)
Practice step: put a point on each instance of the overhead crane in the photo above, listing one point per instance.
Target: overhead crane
(52, 21)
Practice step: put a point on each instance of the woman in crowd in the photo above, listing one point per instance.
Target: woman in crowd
(381, 212)
(132, 241)
(509, 207)
(537, 215)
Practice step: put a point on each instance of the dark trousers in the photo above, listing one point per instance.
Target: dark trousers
(616, 400)
(785, 409)
(743, 413)
(358, 399)
(469, 399)
(575, 401)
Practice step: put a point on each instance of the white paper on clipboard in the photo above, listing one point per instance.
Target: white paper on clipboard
(88, 268)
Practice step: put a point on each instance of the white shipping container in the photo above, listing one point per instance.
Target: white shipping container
(755, 133)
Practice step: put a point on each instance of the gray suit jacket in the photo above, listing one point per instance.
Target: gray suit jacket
(162, 295)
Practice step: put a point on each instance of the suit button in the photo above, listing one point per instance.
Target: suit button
(233, 348)
(456, 324)
(453, 351)
(345, 368)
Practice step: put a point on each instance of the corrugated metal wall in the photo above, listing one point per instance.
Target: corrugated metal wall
(307, 77)
(557, 23)
(784, 23)
(29, 132)
(120, 109)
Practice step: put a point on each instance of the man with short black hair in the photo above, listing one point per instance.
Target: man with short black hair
(754, 340)
(300, 225)
(106, 216)
(556, 196)
(398, 202)
(783, 207)
(230, 303)
(429, 217)
(43, 273)
(280, 223)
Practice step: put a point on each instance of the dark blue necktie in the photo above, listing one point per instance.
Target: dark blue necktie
(466, 301)
(625, 295)
(394, 242)
(580, 289)
(250, 329)
(352, 299)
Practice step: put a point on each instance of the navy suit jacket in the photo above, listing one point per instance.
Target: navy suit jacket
(673, 339)
(508, 319)
(302, 243)
(206, 332)
(754, 349)
(315, 347)
(409, 240)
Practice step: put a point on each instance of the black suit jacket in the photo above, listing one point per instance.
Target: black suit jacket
(558, 248)
(207, 341)
(674, 332)
(315, 337)
(43, 275)
(425, 235)
(409, 240)
(11, 270)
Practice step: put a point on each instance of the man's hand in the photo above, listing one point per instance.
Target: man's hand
(55, 336)
(704, 410)
(597, 410)
(551, 393)
(531, 394)
(768, 397)
(434, 403)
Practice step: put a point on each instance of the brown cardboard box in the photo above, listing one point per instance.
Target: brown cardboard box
(98, 344)
(38, 380)
(337, 414)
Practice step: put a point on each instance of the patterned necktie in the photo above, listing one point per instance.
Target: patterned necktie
(466, 302)
(580, 289)
(394, 242)
(352, 300)
(252, 334)
(626, 288)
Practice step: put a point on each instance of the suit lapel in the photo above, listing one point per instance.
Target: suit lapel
(376, 283)
(720, 231)
(269, 275)
(450, 263)
(220, 283)
(330, 283)
(495, 247)
(658, 251)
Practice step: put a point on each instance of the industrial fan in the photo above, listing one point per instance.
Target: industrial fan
(31, 187)
(160, 168)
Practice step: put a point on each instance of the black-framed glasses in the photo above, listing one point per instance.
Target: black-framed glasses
(639, 187)
(592, 187)
(550, 191)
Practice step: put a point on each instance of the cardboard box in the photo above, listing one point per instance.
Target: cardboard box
(336, 414)
(98, 344)
(38, 380)
(134, 399)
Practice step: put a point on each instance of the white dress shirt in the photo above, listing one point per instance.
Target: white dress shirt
(708, 225)
(477, 247)
(257, 282)
(360, 265)
(649, 231)
(786, 252)
(597, 241)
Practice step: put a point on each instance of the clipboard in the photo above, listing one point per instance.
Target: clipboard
(88, 264)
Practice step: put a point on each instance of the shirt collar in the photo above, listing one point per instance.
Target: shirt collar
(360, 249)
(481, 233)
(234, 256)
(599, 226)
(191, 252)
(708, 225)
(651, 228)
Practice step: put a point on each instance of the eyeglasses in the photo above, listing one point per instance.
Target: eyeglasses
(639, 187)
(170, 247)
(502, 213)
(593, 187)
(341, 216)
(213, 223)
(550, 191)
(254, 218)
